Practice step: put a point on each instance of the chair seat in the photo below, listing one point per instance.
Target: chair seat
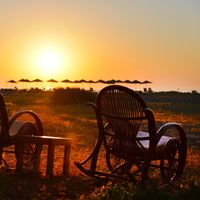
(162, 146)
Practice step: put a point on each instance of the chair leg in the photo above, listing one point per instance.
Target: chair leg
(145, 170)
(66, 161)
(50, 160)
(95, 153)
(19, 164)
(38, 149)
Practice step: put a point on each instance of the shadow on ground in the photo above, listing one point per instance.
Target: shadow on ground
(31, 186)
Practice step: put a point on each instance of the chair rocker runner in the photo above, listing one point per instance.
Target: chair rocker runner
(121, 114)
(16, 127)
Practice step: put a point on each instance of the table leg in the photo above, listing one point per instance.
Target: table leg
(50, 159)
(38, 148)
(66, 160)
(20, 157)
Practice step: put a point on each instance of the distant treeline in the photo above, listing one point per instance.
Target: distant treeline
(72, 96)
(172, 97)
(77, 95)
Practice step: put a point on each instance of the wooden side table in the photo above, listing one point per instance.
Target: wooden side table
(51, 142)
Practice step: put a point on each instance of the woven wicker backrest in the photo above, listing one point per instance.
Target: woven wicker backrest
(123, 109)
(4, 123)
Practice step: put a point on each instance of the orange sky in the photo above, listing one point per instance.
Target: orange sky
(108, 39)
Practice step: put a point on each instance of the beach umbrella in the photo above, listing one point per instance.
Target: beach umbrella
(127, 81)
(146, 82)
(52, 81)
(136, 82)
(101, 81)
(25, 81)
(76, 81)
(83, 81)
(119, 81)
(12, 81)
(37, 80)
(111, 81)
(66, 81)
(22, 80)
(90, 81)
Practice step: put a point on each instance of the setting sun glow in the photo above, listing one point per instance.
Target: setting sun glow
(49, 61)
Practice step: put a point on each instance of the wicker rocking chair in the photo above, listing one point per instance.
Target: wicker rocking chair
(121, 116)
(16, 126)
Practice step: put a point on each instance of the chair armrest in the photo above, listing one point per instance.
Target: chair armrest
(32, 114)
(93, 105)
(97, 113)
(175, 125)
(165, 127)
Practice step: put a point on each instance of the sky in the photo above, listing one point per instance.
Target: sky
(154, 40)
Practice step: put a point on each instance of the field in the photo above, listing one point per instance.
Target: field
(77, 121)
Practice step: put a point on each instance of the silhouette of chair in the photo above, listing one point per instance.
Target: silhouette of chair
(16, 127)
(27, 137)
(122, 116)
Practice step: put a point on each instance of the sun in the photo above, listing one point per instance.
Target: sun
(49, 61)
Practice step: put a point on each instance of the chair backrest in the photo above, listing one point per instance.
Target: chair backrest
(4, 122)
(122, 108)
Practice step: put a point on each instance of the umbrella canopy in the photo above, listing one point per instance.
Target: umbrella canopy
(37, 80)
(52, 81)
(136, 82)
(145, 82)
(119, 81)
(66, 81)
(101, 81)
(77, 81)
(24, 80)
(83, 81)
(111, 81)
(127, 81)
(12, 81)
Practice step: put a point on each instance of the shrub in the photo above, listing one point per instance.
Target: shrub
(72, 96)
